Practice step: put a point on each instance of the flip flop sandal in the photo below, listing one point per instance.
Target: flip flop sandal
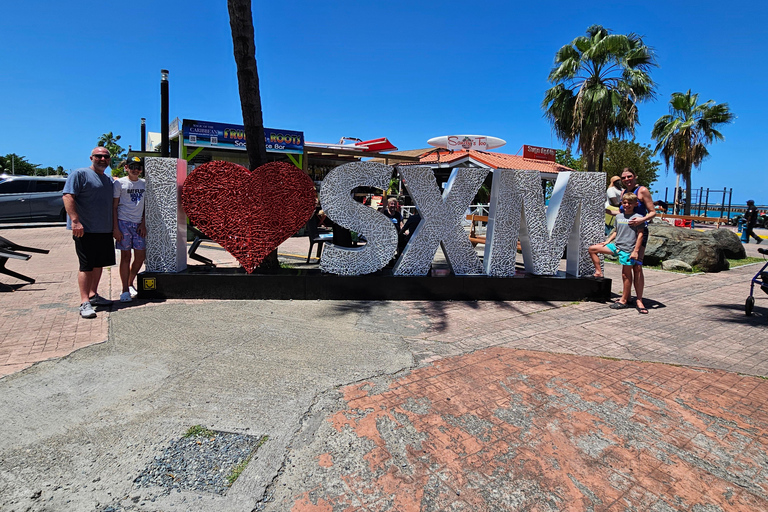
(618, 305)
(642, 311)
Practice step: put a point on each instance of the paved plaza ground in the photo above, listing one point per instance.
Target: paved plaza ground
(382, 405)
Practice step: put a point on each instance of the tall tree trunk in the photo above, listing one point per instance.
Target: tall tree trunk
(241, 24)
(688, 197)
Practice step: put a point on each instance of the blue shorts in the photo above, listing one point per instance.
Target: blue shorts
(131, 238)
(625, 258)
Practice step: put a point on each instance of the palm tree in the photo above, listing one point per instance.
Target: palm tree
(116, 151)
(683, 134)
(241, 25)
(598, 81)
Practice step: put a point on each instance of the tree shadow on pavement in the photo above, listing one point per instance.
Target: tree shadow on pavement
(413, 317)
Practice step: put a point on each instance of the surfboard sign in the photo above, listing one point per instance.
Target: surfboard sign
(467, 142)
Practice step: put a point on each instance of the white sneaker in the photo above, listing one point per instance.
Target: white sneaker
(133, 292)
(126, 297)
(86, 310)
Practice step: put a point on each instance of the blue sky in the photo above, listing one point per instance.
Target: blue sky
(408, 71)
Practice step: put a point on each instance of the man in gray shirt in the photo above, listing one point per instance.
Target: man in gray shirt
(88, 201)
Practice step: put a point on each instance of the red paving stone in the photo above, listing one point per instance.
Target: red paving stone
(504, 429)
(40, 321)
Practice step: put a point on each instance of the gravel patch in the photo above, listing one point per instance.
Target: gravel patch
(204, 461)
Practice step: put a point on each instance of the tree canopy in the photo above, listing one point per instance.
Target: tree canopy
(15, 164)
(116, 151)
(598, 79)
(682, 135)
(620, 154)
(566, 158)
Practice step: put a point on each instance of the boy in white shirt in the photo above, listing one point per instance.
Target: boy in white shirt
(129, 225)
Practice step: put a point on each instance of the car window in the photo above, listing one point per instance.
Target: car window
(14, 187)
(49, 186)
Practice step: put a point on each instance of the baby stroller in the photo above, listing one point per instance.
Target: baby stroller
(761, 279)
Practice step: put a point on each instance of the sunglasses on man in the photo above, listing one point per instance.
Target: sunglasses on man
(99, 156)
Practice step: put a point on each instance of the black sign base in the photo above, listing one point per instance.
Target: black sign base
(284, 284)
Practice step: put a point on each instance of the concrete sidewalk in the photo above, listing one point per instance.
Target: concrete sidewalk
(388, 405)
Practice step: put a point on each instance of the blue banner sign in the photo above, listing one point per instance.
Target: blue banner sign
(232, 136)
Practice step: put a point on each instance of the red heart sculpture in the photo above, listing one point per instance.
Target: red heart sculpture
(249, 213)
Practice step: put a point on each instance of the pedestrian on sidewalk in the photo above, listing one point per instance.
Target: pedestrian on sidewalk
(130, 228)
(751, 217)
(88, 200)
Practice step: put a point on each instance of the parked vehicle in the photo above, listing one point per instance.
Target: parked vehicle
(31, 198)
(762, 220)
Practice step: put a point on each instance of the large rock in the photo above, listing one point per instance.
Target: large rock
(730, 243)
(702, 250)
(676, 265)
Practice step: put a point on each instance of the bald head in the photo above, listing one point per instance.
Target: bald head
(99, 159)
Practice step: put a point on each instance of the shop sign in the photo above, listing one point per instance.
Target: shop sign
(466, 142)
(232, 136)
(284, 141)
(538, 153)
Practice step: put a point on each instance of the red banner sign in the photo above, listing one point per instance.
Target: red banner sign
(537, 153)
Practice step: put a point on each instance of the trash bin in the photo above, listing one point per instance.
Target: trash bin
(740, 225)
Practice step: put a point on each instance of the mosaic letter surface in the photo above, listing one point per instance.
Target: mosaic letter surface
(338, 204)
(166, 222)
(574, 218)
(441, 221)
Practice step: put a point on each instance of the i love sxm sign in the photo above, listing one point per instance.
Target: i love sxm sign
(571, 222)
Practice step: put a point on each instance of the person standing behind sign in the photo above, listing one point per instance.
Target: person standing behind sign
(129, 227)
(612, 203)
(87, 198)
(393, 212)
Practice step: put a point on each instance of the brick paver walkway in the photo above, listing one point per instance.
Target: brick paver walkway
(510, 406)
(40, 321)
(504, 429)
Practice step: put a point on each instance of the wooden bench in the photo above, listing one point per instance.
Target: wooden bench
(478, 239)
(694, 218)
(473, 237)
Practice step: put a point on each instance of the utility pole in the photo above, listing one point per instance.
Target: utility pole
(165, 143)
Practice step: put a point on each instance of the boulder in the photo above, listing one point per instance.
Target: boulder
(667, 242)
(730, 243)
(676, 265)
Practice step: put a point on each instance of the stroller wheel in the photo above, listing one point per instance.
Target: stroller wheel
(749, 305)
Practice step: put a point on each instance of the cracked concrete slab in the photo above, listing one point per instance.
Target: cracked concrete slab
(79, 430)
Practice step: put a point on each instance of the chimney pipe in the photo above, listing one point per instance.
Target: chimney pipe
(165, 139)
(143, 134)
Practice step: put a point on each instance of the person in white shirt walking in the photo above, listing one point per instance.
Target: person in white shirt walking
(130, 228)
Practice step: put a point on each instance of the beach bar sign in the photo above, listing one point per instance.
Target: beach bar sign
(232, 136)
